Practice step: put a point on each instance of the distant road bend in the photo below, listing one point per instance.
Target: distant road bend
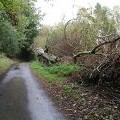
(22, 98)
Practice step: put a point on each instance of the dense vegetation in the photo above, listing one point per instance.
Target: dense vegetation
(81, 33)
(91, 40)
(18, 27)
(56, 72)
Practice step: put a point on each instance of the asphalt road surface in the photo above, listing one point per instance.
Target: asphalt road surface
(22, 97)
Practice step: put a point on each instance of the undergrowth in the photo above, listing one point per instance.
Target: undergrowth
(55, 72)
(64, 69)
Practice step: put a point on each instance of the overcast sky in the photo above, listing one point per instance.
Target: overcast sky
(56, 9)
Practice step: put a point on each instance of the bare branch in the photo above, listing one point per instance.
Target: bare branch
(95, 49)
(106, 42)
(66, 27)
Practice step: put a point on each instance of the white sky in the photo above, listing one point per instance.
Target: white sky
(56, 9)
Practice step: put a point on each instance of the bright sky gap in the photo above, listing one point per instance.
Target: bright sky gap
(55, 10)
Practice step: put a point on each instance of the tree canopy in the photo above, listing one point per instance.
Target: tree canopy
(19, 23)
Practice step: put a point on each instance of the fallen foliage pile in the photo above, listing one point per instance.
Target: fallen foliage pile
(110, 73)
(106, 78)
(109, 78)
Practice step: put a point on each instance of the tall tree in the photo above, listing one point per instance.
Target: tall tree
(22, 20)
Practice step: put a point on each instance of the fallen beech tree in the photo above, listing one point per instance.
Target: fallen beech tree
(95, 49)
(97, 76)
(106, 76)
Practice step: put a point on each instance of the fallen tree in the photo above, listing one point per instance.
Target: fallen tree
(44, 57)
(95, 49)
(106, 76)
(96, 74)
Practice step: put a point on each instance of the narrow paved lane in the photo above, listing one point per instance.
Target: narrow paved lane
(22, 98)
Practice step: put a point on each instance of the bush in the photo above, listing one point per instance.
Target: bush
(9, 39)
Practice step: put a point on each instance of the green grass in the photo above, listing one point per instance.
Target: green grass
(44, 71)
(4, 63)
(62, 70)
(55, 72)
(40, 69)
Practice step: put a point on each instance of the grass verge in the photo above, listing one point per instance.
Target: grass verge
(57, 72)
(5, 63)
